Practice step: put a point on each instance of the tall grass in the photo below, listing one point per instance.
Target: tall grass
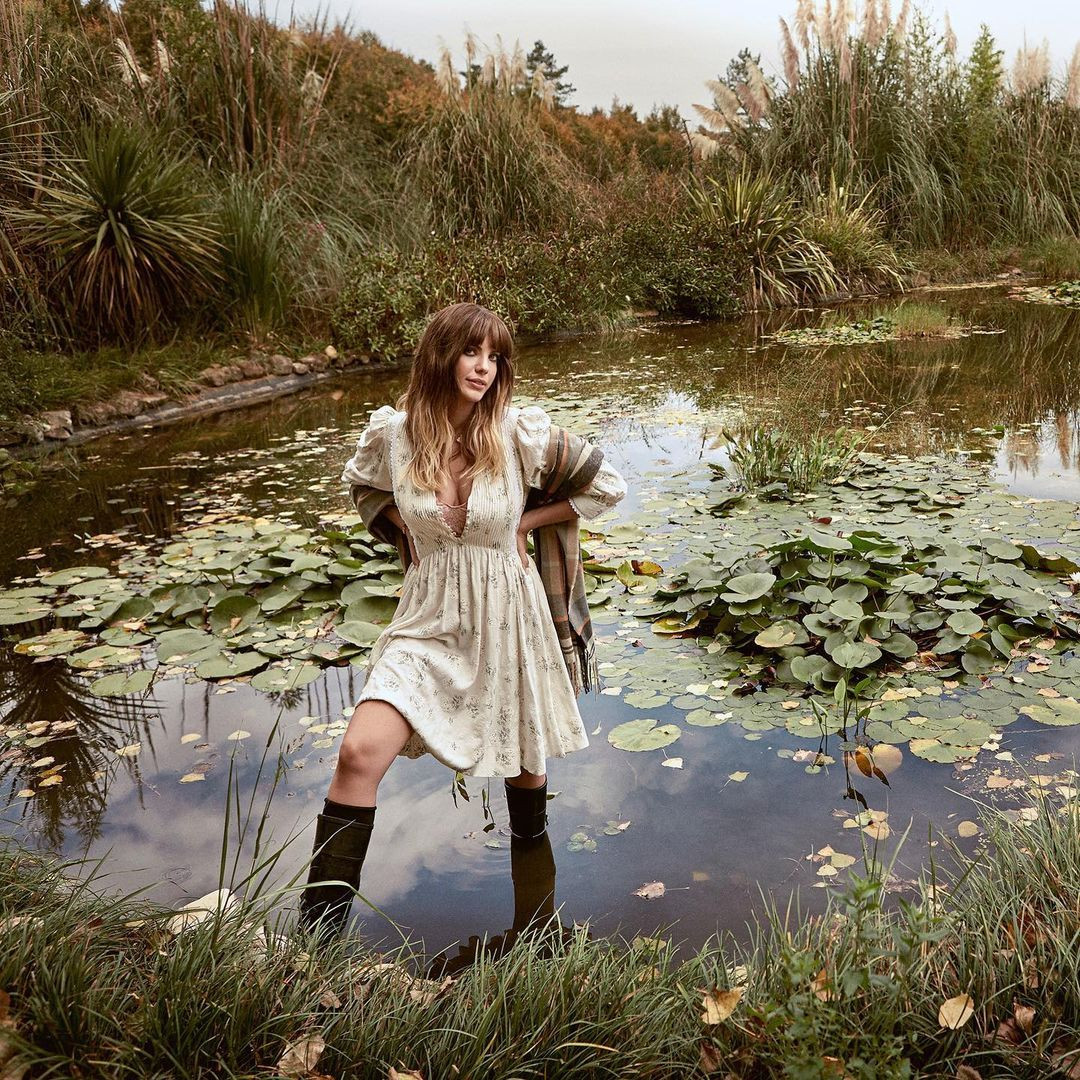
(954, 150)
(481, 161)
(98, 986)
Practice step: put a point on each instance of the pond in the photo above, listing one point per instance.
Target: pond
(974, 438)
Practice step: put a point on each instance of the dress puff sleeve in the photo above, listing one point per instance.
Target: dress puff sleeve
(370, 465)
(532, 427)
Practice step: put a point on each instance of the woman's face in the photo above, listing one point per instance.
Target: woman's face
(475, 371)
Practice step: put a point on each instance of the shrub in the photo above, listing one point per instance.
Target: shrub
(763, 228)
(568, 281)
(130, 240)
(852, 231)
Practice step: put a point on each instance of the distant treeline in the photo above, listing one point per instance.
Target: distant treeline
(168, 168)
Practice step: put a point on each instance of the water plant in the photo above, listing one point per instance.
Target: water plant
(779, 464)
(1063, 294)
(828, 608)
(902, 322)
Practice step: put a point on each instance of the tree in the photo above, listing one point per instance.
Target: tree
(542, 60)
(737, 71)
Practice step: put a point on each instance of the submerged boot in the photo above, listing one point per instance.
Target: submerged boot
(527, 806)
(340, 846)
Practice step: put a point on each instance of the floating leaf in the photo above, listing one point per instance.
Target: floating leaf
(651, 890)
(119, 683)
(747, 587)
(642, 734)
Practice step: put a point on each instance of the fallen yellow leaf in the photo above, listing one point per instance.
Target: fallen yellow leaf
(719, 1004)
(956, 1011)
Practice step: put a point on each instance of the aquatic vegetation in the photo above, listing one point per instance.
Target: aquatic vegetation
(17, 476)
(745, 631)
(906, 321)
(1063, 294)
(259, 598)
(779, 464)
(825, 607)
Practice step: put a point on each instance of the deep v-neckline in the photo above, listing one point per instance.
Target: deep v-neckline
(466, 505)
(439, 504)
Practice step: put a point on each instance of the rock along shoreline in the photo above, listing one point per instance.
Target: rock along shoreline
(223, 387)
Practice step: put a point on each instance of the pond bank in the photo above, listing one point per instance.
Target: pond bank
(224, 387)
(977, 971)
(239, 383)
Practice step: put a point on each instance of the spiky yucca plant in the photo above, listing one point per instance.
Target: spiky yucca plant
(128, 239)
(782, 265)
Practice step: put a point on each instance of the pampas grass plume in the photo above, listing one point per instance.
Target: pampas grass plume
(791, 57)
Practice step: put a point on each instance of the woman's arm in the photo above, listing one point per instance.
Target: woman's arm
(546, 515)
(392, 515)
(541, 515)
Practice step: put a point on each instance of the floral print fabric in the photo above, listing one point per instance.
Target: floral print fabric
(471, 658)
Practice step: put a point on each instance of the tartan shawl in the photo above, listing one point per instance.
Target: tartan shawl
(570, 463)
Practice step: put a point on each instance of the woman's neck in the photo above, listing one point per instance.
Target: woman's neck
(460, 413)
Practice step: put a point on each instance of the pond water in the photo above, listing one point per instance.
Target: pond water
(740, 808)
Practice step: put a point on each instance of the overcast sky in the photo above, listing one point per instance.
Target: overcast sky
(647, 52)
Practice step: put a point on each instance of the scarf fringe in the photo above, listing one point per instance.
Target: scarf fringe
(581, 665)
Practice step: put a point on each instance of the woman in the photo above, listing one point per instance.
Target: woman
(482, 661)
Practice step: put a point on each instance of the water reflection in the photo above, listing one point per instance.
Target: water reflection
(532, 872)
(656, 397)
(76, 734)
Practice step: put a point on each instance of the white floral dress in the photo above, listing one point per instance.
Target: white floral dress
(471, 658)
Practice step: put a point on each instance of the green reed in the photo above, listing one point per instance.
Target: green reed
(97, 987)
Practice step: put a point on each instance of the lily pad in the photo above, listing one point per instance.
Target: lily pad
(642, 734)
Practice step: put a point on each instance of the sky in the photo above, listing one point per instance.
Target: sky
(645, 52)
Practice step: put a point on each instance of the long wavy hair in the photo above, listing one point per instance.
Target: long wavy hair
(432, 392)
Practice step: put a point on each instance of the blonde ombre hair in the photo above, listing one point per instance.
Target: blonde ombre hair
(432, 391)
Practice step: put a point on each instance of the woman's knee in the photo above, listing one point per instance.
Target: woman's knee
(376, 733)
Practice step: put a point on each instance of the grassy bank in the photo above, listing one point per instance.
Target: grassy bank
(978, 971)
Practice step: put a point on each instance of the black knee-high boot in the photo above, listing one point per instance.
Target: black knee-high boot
(527, 807)
(338, 857)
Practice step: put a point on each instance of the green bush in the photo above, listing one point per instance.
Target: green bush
(764, 230)
(126, 233)
(568, 281)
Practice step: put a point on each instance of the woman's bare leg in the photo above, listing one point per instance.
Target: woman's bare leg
(374, 737)
(527, 779)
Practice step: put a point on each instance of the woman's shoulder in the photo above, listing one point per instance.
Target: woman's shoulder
(385, 415)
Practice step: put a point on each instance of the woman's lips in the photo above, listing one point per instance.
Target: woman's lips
(478, 385)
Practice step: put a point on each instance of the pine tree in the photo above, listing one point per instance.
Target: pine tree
(543, 60)
(984, 71)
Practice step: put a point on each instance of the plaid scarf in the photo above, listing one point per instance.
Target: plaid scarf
(570, 463)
